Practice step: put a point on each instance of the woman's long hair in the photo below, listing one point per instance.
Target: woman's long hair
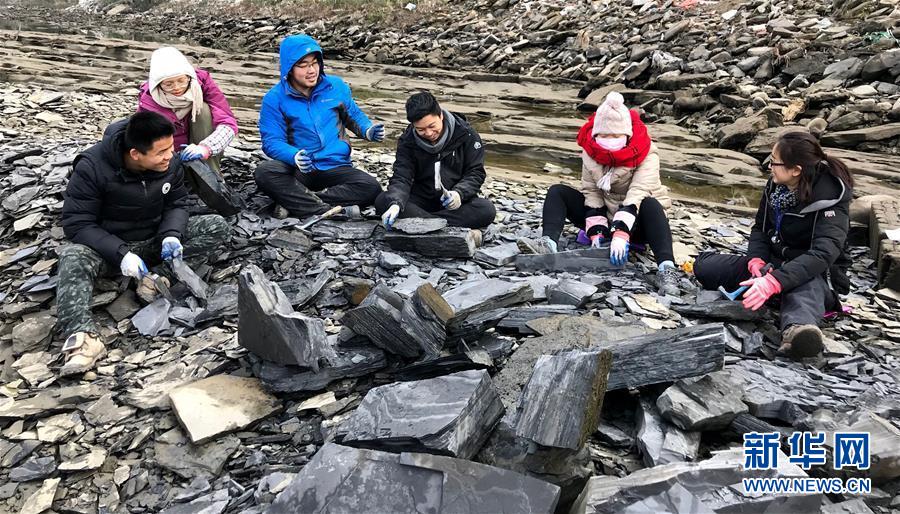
(802, 149)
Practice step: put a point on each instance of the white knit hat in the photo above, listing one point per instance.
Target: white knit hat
(168, 62)
(612, 116)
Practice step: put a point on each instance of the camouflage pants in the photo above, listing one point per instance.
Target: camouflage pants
(79, 267)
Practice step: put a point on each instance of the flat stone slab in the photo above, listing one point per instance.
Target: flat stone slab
(499, 255)
(346, 363)
(216, 405)
(186, 276)
(591, 259)
(343, 230)
(269, 327)
(485, 295)
(176, 453)
(570, 292)
(153, 319)
(453, 414)
(212, 188)
(341, 479)
(416, 226)
(448, 242)
(714, 485)
(561, 402)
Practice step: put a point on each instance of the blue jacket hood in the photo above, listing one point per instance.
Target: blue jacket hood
(296, 47)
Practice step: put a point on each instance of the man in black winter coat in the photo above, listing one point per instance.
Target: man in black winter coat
(124, 208)
(439, 169)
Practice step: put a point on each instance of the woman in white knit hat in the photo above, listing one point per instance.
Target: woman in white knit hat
(193, 102)
(621, 198)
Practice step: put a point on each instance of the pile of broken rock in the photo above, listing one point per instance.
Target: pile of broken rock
(308, 370)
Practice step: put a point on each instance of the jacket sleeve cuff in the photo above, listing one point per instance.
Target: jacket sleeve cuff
(596, 225)
(625, 218)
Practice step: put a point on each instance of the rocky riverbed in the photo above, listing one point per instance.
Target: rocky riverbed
(194, 410)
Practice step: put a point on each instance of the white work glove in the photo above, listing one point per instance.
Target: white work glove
(451, 200)
(171, 248)
(133, 266)
(390, 216)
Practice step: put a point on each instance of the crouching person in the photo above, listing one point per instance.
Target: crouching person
(124, 210)
(439, 169)
(797, 244)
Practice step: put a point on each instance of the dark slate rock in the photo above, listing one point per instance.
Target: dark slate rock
(340, 479)
(484, 295)
(35, 468)
(344, 230)
(222, 302)
(379, 317)
(153, 319)
(177, 454)
(269, 327)
(723, 309)
(665, 356)
(659, 442)
(342, 363)
(591, 259)
(709, 402)
(302, 291)
(561, 402)
(425, 316)
(124, 306)
(212, 188)
(186, 275)
(450, 242)
(290, 239)
(570, 292)
(13, 453)
(416, 226)
(499, 255)
(391, 261)
(710, 481)
(475, 358)
(458, 416)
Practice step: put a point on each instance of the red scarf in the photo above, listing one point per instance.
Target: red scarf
(631, 156)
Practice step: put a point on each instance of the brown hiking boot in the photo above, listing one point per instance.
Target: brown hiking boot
(801, 341)
(84, 350)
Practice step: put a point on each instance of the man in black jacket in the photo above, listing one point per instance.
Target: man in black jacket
(439, 169)
(124, 205)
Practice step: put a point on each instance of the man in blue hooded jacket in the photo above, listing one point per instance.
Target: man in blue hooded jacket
(303, 123)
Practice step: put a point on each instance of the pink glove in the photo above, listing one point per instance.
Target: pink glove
(761, 289)
(597, 240)
(755, 265)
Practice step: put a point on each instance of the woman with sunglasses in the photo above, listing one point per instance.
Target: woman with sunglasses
(797, 243)
(191, 100)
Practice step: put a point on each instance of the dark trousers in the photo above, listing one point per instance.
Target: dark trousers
(476, 213)
(651, 226)
(803, 305)
(306, 194)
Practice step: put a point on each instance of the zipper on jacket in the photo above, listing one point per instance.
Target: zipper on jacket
(144, 183)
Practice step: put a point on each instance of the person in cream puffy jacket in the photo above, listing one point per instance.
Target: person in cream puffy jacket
(621, 199)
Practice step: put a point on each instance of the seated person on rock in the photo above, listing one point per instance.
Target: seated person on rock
(801, 230)
(621, 200)
(124, 209)
(439, 169)
(303, 123)
(190, 99)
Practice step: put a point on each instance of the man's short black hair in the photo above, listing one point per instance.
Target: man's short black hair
(145, 128)
(420, 105)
